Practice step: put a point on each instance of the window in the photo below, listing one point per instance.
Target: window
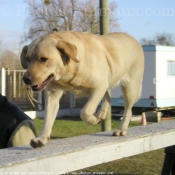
(171, 68)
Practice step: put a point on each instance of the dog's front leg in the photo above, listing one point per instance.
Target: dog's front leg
(104, 107)
(51, 109)
(88, 112)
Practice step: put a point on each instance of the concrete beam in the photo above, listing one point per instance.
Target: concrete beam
(71, 154)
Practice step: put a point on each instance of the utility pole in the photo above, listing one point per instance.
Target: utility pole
(104, 29)
(104, 17)
(46, 2)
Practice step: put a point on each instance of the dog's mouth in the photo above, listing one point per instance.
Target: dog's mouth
(43, 84)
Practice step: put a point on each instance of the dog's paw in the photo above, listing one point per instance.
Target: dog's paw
(38, 142)
(101, 116)
(99, 120)
(120, 132)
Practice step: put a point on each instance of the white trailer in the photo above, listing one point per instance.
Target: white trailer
(158, 90)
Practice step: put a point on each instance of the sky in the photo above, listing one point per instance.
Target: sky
(139, 18)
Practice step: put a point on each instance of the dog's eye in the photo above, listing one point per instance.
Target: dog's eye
(42, 59)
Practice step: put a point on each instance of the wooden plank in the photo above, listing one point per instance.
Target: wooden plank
(3, 81)
(71, 154)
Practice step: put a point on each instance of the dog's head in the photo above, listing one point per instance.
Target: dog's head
(46, 59)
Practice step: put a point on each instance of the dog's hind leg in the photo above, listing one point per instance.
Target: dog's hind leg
(131, 92)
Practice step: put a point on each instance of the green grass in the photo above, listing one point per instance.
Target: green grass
(144, 164)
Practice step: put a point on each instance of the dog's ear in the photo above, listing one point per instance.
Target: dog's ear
(23, 57)
(69, 49)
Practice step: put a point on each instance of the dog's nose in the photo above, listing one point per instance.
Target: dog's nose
(27, 79)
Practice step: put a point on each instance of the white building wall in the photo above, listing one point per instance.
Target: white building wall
(116, 92)
(165, 85)
(156, 81)
(148, 86)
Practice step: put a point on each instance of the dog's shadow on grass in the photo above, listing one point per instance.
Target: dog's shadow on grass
(54, 138)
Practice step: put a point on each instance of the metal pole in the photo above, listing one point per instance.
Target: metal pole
(104, 29)
(71, 108)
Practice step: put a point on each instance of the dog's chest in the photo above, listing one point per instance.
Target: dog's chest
(75, 88)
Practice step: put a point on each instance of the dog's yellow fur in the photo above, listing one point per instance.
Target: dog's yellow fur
(87, 65)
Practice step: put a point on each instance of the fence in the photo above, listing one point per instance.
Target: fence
(12, 86)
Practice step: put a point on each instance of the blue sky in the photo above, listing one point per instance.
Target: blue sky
(143, 18)
(140, 18)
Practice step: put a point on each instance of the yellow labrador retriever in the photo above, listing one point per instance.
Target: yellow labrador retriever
(87, 65)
